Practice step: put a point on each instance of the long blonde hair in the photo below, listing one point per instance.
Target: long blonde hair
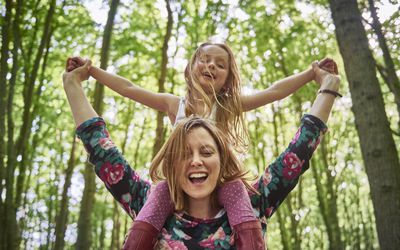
(167, 164)
(229, 111)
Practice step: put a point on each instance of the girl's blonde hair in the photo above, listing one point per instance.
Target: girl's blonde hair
(229, 111)
(169, 162)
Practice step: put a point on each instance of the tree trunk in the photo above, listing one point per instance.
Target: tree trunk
(286, 235)
(324, 196)
(26, 126)
(115, 243)
(62, 217)
(329, 198)
(5, 40)
(377, 144)
(102, 228)
(84, 238)
(159, 139)
(389, 72)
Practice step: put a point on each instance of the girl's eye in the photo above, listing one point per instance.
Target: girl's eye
(221, 66)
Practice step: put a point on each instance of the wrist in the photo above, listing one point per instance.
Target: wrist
(310, 74)
(331, 82)
(91, 69)
(71, 81)
(330, 92)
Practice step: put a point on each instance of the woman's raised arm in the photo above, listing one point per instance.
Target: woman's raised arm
(283, 174)
(81, 108)
(109, 164)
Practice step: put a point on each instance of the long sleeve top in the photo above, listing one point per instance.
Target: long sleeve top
(182, 231)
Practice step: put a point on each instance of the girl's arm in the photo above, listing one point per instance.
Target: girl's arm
(111, 167)
(283, 174)
(162, 102)
(284, 87)
(277, 91)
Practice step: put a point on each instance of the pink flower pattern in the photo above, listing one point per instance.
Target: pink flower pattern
(209, 242)
(106, 143)
(111, 174)
(292, 166)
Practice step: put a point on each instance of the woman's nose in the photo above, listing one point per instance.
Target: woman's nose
(196, 161)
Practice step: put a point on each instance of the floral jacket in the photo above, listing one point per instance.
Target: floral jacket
(182, 231)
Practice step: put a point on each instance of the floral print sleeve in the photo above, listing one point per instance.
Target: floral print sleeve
(111, 167)
(283, 174)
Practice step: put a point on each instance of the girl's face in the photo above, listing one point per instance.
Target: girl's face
(212, 68)
(201, 166)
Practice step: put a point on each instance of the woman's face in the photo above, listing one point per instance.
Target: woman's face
(212, 67)
(201, 166)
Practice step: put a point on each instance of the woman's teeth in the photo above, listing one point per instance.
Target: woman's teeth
(198, 177)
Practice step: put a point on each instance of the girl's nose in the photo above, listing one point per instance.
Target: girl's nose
(211, 65)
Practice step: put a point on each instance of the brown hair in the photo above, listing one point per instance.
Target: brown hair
(229, 112)
(166, 165)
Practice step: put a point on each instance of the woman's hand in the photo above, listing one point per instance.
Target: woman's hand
(74, 72)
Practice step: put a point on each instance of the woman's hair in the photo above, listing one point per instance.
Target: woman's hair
(229, 112)
(168, 163)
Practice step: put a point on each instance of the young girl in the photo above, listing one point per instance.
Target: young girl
(213, 90)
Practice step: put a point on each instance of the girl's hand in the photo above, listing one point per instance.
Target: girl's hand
(79, 73)
(325, 78)
(74, 62)
(328, 64)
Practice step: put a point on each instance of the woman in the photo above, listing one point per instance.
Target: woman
(193, 161)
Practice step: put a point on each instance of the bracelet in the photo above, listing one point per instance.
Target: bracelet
(328, 91)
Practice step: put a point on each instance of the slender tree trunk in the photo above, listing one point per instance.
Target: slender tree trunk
(62, 217)
(285, 237)
(50, 211)
(285, 234)
(388, 72)
(377, 144)
(24, 133)
(115, 244)
(290, 199)
(323, 195)
(5, 40)
(84, 239)
(159, 139)
(137, 149)
(102, 229)
(335, 241)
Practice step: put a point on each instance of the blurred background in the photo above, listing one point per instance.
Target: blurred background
(50, 196)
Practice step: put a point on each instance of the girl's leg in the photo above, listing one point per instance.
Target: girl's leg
(234, 198)
(151, 218)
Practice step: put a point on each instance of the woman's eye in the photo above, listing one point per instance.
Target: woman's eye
(221, 66)
(207, 153)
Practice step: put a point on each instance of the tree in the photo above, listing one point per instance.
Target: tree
(84, 224)
(159, 139)
(388, 72)
(377, 144)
